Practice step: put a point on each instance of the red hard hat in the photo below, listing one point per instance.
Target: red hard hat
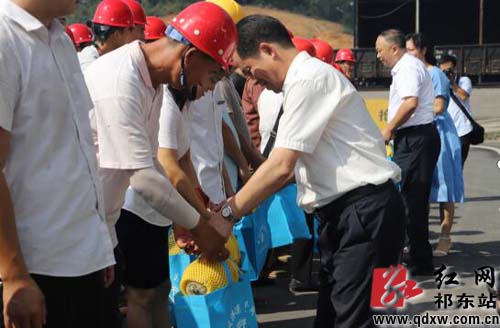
(324, 51)
(210, 29)
(81, 32)
(302, 44)
(113, 13)
(345, 54)
(70, 34)
(155, 28)
(137, 12)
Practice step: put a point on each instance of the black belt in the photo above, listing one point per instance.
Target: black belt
(351, 197)
(414, 128)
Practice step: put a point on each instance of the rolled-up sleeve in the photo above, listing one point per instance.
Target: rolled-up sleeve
(122, 135)
(308, 107)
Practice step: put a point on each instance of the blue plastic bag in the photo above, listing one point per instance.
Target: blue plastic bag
(228, 307)
(286, 219)
(253, 231)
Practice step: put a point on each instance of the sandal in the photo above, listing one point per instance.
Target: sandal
(443, 247)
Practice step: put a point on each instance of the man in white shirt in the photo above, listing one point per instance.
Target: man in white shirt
(55, 246)
(126, 87)
(328, 141)
(416, 140)
(113, 26)
(461, 86)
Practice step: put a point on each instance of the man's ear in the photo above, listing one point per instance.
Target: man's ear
(267, 49)
(193, 56)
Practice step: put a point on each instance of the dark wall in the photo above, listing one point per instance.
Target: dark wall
(444, 22)
(491, 21)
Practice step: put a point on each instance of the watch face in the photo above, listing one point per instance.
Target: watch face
(226, 212)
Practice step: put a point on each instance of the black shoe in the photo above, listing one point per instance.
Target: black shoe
(421, 271)
(263, 281)
(296, 286)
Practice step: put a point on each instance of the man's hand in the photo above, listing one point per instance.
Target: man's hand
(24, 304)
(184, 240)
(221, 225)
(209, 241)
(109, 276)
(244, 174)
(387, 134)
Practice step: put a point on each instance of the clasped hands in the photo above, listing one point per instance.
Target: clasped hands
(208, 237)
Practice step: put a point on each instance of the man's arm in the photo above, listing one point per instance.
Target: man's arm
(403, 114)
(159, 193)
(180, 180)
(234, 152)
(275, 173)
(462, 94)
(23, 300)
(439, 105)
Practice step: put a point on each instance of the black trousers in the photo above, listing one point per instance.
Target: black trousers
(362, 230)
(416, 150)
(465, 142)
(78, 302)
(302, 254)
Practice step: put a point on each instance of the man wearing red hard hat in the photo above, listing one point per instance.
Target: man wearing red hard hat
(324, 51)
(82, 36)
(113, 26)
(139, 18)
(126, 87)
(346, 60)
(154, 29)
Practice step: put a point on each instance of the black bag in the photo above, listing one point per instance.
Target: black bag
(476, 136)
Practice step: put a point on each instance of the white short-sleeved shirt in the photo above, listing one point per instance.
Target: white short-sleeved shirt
(410, 78)
(461, 121)
(207, 145)
(174, 133)
(325, 119)
(268, 105)
(87, 56)
(51, 168)
(124, 121)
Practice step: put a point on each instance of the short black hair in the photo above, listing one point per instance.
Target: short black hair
(448, 59)
(420, 42)
(394, 36)
(255, 29)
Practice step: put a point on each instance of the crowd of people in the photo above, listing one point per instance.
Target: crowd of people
(112, 132)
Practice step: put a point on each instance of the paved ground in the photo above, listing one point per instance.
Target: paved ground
(476, 243)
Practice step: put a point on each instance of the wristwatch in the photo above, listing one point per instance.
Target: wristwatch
(227, 213)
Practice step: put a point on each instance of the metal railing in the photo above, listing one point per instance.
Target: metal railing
(481, 63)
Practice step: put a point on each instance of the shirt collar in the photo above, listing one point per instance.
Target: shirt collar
(295, 66)
(396, 67)
(29, 22)
(140, 62)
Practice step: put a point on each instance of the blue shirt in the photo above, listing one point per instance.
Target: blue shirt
(440, 83)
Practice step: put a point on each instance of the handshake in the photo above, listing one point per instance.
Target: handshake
(209, 235)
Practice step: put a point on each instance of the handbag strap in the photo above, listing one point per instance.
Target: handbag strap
(272, 137)
(228, 272)
(462, 107)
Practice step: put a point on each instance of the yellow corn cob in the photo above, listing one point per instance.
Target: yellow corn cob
(173, 248)
(202, 277)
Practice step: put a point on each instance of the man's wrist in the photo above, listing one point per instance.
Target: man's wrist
(15, 274)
